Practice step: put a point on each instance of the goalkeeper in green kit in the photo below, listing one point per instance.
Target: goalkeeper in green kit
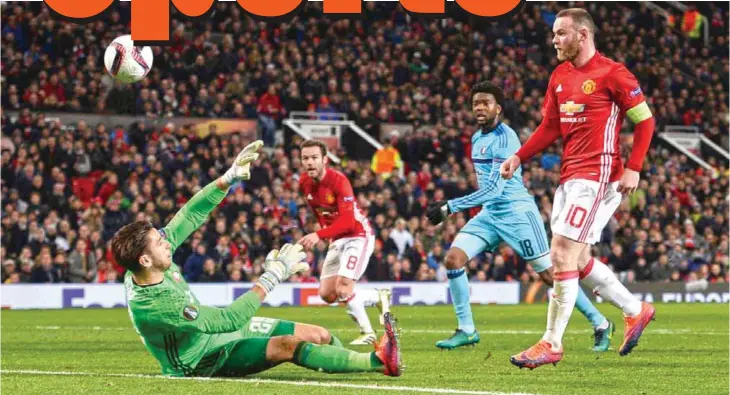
(189, 339)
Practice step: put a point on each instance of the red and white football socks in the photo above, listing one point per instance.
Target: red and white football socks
(562, 302)
(356, 308)
(605, 284)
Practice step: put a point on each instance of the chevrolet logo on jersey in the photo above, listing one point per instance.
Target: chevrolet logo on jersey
(571, 108)
(325, 212)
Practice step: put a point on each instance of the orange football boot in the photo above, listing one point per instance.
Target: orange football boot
(634, 327)
(537, 355)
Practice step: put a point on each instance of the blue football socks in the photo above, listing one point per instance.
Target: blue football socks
(459, 289)
(584, 305)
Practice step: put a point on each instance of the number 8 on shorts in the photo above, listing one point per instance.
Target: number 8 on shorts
(348, 257)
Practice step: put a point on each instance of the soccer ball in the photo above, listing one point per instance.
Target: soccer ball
(126, 62)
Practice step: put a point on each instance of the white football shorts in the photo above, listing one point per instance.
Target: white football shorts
(348, 257)
(582, 208)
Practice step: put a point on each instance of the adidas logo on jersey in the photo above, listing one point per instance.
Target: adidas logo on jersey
(309, 197)
(560, 88)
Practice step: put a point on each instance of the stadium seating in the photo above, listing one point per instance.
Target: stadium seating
(390, 70)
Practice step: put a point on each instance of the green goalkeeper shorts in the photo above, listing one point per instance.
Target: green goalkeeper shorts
(243, 353)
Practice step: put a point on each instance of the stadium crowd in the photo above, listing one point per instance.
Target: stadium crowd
(66, 189)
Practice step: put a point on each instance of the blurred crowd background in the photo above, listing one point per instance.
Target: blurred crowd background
(68, 187)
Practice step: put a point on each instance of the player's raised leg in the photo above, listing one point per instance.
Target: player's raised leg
(603, 282)
(599, 277)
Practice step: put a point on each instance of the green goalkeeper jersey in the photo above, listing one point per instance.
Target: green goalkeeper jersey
(176, 329)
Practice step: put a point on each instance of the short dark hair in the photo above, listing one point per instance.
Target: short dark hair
(488, 87)
(314, 143)
(580, 17)
(129, 243)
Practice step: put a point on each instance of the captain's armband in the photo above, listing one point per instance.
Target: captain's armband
(638, 113)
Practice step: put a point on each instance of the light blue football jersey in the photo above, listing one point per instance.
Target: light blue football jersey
(489, 150)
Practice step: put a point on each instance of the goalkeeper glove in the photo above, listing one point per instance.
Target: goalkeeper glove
(282, 264)
(438, 212)
(241, 168)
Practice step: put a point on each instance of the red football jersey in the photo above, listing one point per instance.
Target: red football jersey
(588, 104)
(333, 202)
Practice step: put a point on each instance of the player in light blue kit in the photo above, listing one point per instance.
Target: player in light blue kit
(509, 214)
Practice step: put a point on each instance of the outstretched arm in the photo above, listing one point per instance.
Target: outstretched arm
(195, 212)
(207, 319)
(199, 207)
(179, 312)
(493, 188)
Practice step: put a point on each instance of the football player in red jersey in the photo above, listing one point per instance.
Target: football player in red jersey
(329, 193)
(588, 98)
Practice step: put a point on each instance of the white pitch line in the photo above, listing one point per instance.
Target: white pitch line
(682, 331)
(266, 381)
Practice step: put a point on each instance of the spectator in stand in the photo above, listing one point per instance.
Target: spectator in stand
(381, 71)
(270, 111)
(193, 267)
(661, 271)
(211, 273)
(387, 160)
(402, 238)
(43, 271)
(81, 264)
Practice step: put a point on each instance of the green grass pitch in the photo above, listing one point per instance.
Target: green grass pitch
(685, 351)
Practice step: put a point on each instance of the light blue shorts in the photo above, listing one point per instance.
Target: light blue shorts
(523, 230)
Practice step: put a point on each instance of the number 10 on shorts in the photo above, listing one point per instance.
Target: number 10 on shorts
(576, 216)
